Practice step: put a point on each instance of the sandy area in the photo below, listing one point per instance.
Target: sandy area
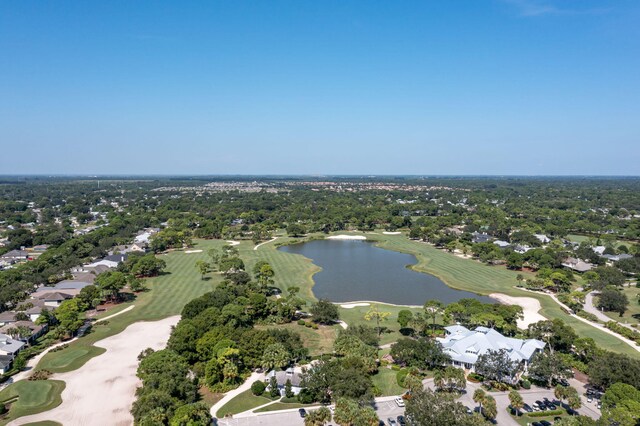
(347, 237)
(530, 308)
(233, 243)
(353, 305)
(103, 390)
(193, 251)
(392, 233)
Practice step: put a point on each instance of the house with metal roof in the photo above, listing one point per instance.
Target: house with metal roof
(9, 346)
(464, 346)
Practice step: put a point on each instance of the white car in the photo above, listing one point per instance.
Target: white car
(399, 401)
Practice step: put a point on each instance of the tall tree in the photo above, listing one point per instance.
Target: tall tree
(374, 314)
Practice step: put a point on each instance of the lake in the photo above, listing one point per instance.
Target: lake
(358, 270)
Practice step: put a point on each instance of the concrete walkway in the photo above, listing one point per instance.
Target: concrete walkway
(235, 392)
(586, 321)
(266, 242)
(591, 308)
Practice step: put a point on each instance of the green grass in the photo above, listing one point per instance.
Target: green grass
(32, 397)
(385, 380)
(318, 341)
(276, 406)
(242, 402)
(44, 423)
(525, 419)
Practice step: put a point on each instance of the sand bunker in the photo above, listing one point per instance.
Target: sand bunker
(530, 308)
(104, 388)
(392, 233)
(353, 305)
(233, 243)
(347, 237)
(193, 251)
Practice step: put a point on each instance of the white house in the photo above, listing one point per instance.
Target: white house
(282, 377)
(464, 346)
(9, 346)
(542, 238)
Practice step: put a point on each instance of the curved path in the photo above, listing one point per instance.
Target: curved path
(591, 308)
(104, 387)
(586, 321)
(265, 242)
(235, 392)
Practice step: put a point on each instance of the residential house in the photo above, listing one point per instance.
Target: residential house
(616, 257)
(465, 346)
(36, 330)
(477, 237)
(502, 244)
(5, 363)
(599, 250)
(542, 238)
(282, 377)
(9, 346)
(521, 249)
(7, 317)
(577, 264)
(55, 299)
(14, 256)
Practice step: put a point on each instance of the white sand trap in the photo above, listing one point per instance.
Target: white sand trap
(353, 305)
(103, 389)
(193, 251)
(233, 243)
(530, 308)
(391, 233)
(347, 237)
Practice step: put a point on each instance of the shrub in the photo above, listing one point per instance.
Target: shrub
(305, 396)
(314, 326)
(40, 375)
(557, 412)
(400, 376)
(395, 367)
(588, 316)
(526, 384)
(301, 322)
(475, 377)
(258, 387)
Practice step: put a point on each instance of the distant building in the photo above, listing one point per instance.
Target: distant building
(477, 237)
(577, 264)
(616, 257)
(542, 238)
(502, 244)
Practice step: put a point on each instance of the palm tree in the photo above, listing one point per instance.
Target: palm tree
(516, 401)
(438, 379)
(318, 417)
(478, 397)
(431, 310)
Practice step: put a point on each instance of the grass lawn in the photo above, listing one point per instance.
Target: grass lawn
(318, 341)
(45, 423)
(632, 316)
(525, 419)
(243, 402)
(276, 406)
(386, 381)
(32, 397)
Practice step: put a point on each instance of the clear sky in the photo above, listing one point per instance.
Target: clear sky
(320, 87)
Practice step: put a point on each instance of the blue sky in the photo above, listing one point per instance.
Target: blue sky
(320, 87)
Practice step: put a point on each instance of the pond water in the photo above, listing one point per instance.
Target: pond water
(358, 270)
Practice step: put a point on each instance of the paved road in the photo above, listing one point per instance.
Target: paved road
(385, 407)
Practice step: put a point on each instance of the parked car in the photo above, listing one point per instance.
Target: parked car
(536, 424)
(599, 405)
(302, 412)
(391, 422)
(541, 405)
(589, 398)
(401, 420)
(545, 423)
(399, 401)
(527, 408)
